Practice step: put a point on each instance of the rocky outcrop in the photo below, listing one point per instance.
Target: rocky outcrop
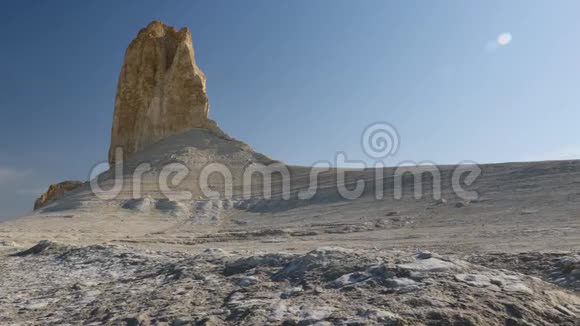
(56, 191)
(120, 285)
(161, 91)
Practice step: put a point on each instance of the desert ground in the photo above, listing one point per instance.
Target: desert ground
(511, 256)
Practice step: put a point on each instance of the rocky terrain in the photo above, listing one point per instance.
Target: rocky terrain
(112, 285)
(163, 250)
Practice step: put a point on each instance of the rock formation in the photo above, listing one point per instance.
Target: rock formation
(56, 191)
(56, 283)
(161, 91)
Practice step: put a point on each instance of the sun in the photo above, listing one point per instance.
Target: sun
(504, 39)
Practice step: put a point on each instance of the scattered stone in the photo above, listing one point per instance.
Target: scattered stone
(174, 208)
(517, 287)
(474, 280)
(441, 201)
(429, 265)
(292, 292)
(320, 257)
(424, 255)
(142, 205)
(459, 205)
(247, 281)
(528, 211)
(213, 253)
(403, 284)
(350, 279)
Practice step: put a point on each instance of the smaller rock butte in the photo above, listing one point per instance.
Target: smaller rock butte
(161, 91)
(56, 191)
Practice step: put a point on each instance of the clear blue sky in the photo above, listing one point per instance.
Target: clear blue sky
(298, 80)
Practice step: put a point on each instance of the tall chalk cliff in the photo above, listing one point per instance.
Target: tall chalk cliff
(161, 91)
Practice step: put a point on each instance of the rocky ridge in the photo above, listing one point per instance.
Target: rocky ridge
(56, 191)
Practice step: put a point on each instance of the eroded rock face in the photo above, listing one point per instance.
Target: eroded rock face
(56, 191)
(161, 91)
